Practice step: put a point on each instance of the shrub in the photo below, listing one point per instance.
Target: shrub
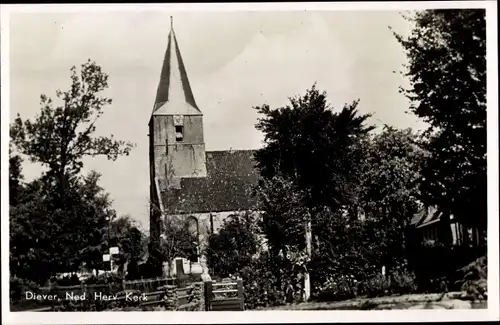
(105, 279)
(338, 288)
(18, 287)
(261, 286)
(67, 280)
(475, 278)
(403, 282)
(435, 265)
(379, 285)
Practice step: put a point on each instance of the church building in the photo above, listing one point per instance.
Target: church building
(201, 186)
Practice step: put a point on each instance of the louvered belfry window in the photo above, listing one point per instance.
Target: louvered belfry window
(179, 127)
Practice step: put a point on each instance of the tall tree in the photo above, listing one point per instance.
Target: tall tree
(446, 53)
(387, 197)
(61, 136)
(283, 215)
(176, 240)
(310, 143)
(234, 246)
(310, 160)
(30, 236)
(60, 222)
(391, 176)
(125, 234)
(84, 227)
(15, 177)
(58, 240)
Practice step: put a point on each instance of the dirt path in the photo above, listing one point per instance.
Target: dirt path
(453, 300)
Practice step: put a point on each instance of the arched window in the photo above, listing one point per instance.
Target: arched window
(193, 226)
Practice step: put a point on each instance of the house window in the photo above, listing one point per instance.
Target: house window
(179, 133)
(434, 234)
(455, 233)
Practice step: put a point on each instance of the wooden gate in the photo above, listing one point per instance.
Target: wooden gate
(224, 296)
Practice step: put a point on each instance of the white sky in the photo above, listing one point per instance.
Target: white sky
(234, 61)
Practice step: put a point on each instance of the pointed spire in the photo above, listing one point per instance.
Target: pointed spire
(174, 95)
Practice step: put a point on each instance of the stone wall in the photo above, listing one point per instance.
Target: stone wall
(195, 302)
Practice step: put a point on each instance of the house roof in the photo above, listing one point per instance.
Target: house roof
(418, 216)
(174, 95)
(426, 216)
(228, 186)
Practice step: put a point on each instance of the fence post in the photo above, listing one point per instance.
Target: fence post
(241, 294)
(208, 295)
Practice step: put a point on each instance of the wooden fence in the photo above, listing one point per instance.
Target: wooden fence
(144, 285)
(224, 296)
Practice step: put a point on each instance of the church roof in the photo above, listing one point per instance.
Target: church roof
(174, 95)
(228, 186)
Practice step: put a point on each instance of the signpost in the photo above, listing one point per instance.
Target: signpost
(109, 257)
(112, 250)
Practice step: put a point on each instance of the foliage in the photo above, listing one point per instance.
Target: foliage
(391, 171)
(61, 136)
(236, 250)
(67, 280)
(283, 214)
(58, 222)
(184, 280)
(307, 142)
(343, 246)
(343, 287)
(262, 287)
(475, 278)
(18, 287)
(79, 230)
(358, 190)
(447, 71)
(234, 245)
(125, 234)
(177, 240)
(397, 282)
(339, 288)
(387, 198)
(435, 265)
(29, 229)
(389, 191)
(15, 177)
(379, 285)
(403, 282)
(105, 278)
(284, 217)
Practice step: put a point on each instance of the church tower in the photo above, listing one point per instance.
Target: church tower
(176, 143)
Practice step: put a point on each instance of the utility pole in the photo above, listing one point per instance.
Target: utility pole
(308, 238)
(307, 280)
